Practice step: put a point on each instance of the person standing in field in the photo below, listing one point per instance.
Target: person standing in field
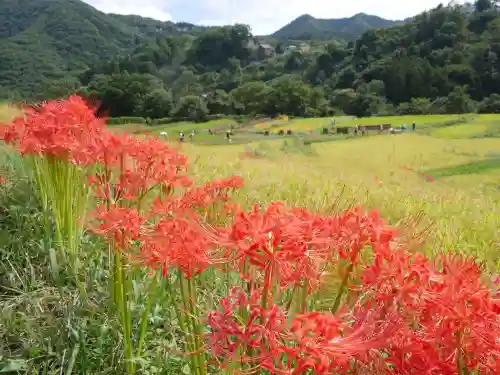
(413, 126)
(191, 136)
(181, 136)
(332, 124)
(228, 135)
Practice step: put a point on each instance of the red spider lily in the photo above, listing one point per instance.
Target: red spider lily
(198, 198)
(496, 295)
(327, 344)
(156, 163)
(468, 326)
(139, 165)
(269, 242)
(177, 242)
(297, 245)
(119, 224)
(65, 129)
(3, 180)
(451, 317)
(406, 168)
(243, 331)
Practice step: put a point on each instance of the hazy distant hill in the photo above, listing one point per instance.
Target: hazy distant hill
(307, 27)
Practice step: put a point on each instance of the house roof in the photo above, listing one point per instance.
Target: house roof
(266, 46)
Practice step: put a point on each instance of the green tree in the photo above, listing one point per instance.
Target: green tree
(483, 5)
(359, 104)
(417, 106)
(251, 98)
(346, 78)
(157, 104)
(214, 48)
(458, 101)
(291, 96)
(491, 104)
(280, 49)
(218, 102)
(191, 108)
(122, 94)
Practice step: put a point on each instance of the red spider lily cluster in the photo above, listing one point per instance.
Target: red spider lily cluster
(252, 154)
(428, 178)
(404, 313)
(387, 310)
(66, 130)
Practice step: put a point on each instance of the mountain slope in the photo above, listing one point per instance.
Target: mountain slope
(46, 41)
(307, 27)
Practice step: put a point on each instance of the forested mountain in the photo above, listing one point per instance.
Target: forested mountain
(307, 27)
(443, 60)
(46, 41)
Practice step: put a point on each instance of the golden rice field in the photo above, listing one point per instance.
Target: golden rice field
(7, 112)
(463, 211)
(317, 123)
(461, 207)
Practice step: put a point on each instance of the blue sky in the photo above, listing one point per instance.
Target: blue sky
(264, 16)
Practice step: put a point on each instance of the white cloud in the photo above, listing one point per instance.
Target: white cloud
(264, 16)
(144, 8)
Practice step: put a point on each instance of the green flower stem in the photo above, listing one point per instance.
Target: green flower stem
(194, 330)
(121, 294)
(303, 299)
(197, 327)
(185, 311)
(342, 289)
(64, 194)
(144, 319)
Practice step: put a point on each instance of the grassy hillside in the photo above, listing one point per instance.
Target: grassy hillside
(307, 27)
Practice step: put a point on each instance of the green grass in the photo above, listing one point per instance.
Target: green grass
(301, 124)
(478, 127)
(475, 167)
(310, 124)
(397, 121)
(202, 127)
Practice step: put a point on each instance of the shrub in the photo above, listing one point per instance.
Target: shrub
(125, 120)
(490, 104)
(191, 108)
(164, 121)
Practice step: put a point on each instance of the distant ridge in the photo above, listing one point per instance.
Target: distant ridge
(307, 27)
